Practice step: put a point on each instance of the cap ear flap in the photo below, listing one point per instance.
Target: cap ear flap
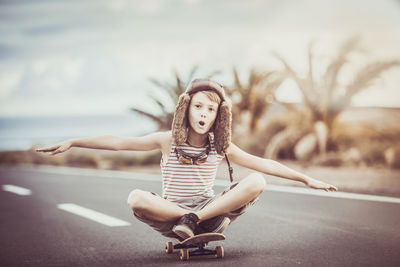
(222, 130)
(179, 124)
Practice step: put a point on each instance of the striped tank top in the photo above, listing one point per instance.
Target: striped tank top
(182, 181)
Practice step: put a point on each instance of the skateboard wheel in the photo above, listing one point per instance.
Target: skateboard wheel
(169, 247)
(184, 254)
(219, 252)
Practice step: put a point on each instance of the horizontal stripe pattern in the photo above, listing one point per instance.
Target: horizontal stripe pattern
(182, 181)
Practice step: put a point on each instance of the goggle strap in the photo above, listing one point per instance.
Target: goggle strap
(194, 159)
(181, 153)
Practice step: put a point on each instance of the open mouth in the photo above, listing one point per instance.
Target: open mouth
(202, 123)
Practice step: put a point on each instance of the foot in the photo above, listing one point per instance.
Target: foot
(217, 224)
(186, 226)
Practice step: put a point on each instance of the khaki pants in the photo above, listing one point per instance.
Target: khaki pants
(193, 204)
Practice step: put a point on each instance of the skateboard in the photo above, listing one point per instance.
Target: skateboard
(200, 242)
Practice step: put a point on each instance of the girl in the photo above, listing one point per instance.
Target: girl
(200, 139)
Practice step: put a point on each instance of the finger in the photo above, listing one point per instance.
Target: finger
(55, 152)
(45, 149)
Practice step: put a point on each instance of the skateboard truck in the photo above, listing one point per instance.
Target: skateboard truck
(200, 242)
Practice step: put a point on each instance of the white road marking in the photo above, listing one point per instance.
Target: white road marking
(17, 190)
(157, 177)
(94, 173)
(92, 215)
(308, 191)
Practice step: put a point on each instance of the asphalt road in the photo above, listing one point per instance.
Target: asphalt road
(282, 229)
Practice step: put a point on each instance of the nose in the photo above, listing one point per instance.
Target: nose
(203, 113)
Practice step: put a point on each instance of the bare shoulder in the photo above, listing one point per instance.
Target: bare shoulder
(161, 138)
(242, 158)
(165, 141)
(236, 154)
(165, 137)
(232, 149)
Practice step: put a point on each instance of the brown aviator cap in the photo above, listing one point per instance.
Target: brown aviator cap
(222, 124)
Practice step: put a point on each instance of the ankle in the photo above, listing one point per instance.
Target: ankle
(199, 216)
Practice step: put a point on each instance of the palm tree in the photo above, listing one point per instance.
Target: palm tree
(323, 97)
(173, 90)
(326, 98)
(251, 100)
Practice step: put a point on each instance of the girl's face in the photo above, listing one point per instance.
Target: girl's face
(202, 113)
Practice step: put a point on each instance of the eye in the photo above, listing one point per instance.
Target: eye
(197, 106)
(211, 109)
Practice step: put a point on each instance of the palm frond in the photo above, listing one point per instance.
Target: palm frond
(173, 90)
(192, 73)
(164, 86)
(276, 81)
(331, 75)
(214, 73)
(302, 84)
(310, 68)
(159, 103)
(157, 83)
(364, 79)
(151, 116)
(236, 80)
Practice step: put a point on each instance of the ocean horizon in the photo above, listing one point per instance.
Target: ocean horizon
(22, 132)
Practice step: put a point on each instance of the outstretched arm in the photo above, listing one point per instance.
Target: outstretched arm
(272, 167)
(108, 142)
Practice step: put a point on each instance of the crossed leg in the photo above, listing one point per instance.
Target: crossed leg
(153, 207)
(245, 191)
(146, 205)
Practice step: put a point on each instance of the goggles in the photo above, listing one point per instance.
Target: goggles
(192, 159)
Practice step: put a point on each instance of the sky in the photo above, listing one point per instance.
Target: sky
(97, 57)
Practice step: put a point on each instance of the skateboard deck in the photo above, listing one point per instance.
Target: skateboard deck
(205, 238)
(199, 242)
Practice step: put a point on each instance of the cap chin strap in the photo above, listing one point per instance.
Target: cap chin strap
(230, 168)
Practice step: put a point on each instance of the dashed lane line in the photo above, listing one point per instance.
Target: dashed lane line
(72, 208)
(92, 215)
(17, 190)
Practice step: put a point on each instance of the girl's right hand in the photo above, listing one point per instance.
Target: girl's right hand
(57, 148)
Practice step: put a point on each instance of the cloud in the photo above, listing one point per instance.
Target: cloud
(147, 7)
(9, 81)
(95, 49)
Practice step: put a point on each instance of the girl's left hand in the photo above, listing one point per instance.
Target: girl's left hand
(321, 185)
